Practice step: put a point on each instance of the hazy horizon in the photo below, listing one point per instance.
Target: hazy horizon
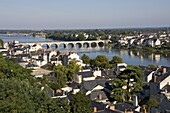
(89, 14)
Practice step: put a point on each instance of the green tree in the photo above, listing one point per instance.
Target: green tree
(58, 53)
(116, 59)
(13, 70)
(80, 104)
(151, 66)
(85, 59)
(59, 106)
(102, 62)
(92, 62)
(151, 102)
(114, 40)
(129, 81)
(1, 43)
(81, 37)
(59, 72)
(21, 96)
(72, 68)
(118, 93)
(20, 92)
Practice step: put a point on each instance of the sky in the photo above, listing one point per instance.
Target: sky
(83, 14)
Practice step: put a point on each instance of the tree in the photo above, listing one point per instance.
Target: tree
(20, 92)
(80, 104)
(21, 96)
(114, 40)
(129, 82)
(59, 72)
(81, 37)
(13, 70)
(116, 59)
(102, 62)
(73, 68)
(151, 66)
(1, 43)
(152, 102)
(58, 53)
(85, 59)
(59, 106)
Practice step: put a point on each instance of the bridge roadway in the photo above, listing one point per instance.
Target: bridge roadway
(73, 44)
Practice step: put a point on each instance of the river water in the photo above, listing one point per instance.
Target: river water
(130, 57)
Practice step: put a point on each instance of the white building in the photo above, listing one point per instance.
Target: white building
(35, 47)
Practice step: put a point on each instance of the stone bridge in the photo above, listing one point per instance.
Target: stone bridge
(66, 44)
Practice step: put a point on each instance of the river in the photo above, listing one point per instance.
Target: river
(130, 57)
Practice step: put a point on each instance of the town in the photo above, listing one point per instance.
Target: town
(110, 86)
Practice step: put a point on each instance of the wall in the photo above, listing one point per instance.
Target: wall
(165, 82)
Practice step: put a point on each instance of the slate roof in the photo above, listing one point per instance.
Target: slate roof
(109, 111)
(53, 59)
(99, 105)
(167, 87)
(162, 77)
(123, 106)
(74, 85)
(95, 95)
(86, 74)
(101, 108)
(109, 73)
(89, 85)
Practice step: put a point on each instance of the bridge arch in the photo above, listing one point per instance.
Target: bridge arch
(79, 45)
(54, 46)
(101, 44)
(63, 45)
(70, 45)
(94, 44)
(45, 46)
(86, 45)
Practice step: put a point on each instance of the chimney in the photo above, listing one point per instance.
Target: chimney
(135, 101)
(144, 110)
(125, 111)
(112, 107)
(94, 109)
(154, 78)
(164, 70)
(100, 97)
(131, 111)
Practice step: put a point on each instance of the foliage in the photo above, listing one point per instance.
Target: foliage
(58, 53)
(81, 37)
(128, 83)
(59, 72)
(114, 40)
(80, 104)
(59, 106)
(1, 43)
(151, 66)
(85, 59)
(153, 102)
(102, 62)
(116, 59)
(8, 69)
(72, 68)
(20, 96)
(150, 102)
(20, 92)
